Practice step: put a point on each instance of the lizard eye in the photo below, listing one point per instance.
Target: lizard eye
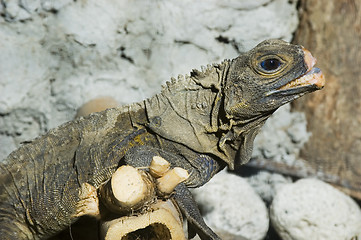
(270, 65)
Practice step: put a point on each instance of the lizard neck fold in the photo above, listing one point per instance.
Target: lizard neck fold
(201, 123)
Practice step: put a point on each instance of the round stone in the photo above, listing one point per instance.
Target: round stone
(312, 209)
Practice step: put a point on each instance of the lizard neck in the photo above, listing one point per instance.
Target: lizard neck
(186, 111)
(190, 111)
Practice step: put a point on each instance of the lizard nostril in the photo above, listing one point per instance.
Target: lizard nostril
(309, 59)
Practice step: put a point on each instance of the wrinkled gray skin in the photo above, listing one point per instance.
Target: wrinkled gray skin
(202, 123)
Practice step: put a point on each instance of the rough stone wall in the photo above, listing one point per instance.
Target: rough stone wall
(56, 55)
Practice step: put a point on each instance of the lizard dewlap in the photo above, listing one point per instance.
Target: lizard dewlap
(201, 123)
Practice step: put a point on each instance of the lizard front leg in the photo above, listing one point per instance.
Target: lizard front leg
(201, 168)
(189, 208)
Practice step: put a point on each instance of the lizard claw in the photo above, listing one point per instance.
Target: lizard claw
(189, 208)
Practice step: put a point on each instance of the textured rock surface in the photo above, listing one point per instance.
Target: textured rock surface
(246, 213)
(283, 137)
(266, 184)
(311, 209)
(57, 55)
(277, 147)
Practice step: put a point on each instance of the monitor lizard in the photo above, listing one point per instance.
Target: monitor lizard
(202, 122)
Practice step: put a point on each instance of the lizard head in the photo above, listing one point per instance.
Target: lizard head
(220, 109)
(270, 75)
(258, 82)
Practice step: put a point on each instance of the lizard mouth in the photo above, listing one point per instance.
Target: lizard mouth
(312, 78)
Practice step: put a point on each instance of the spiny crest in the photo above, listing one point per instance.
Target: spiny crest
(176, 84)
(212, 75)
(205, 71)
(207, 77)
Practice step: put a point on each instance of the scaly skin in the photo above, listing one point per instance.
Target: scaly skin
(201, 123)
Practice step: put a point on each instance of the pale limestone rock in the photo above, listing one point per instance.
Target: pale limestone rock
(230, 204)
(266, 184)
(51, 5)
(311, 209)
(282, 136)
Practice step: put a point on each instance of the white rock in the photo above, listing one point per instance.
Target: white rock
(266, 184)
(278, 144)
(311, 209)
(230, 204)
(14, 11)
(51, 5)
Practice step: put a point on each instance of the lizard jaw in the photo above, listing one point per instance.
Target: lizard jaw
(313, 77)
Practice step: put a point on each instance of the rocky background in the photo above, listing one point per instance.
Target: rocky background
(56, 55)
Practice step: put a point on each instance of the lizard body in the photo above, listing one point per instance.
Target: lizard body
(202, 123)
